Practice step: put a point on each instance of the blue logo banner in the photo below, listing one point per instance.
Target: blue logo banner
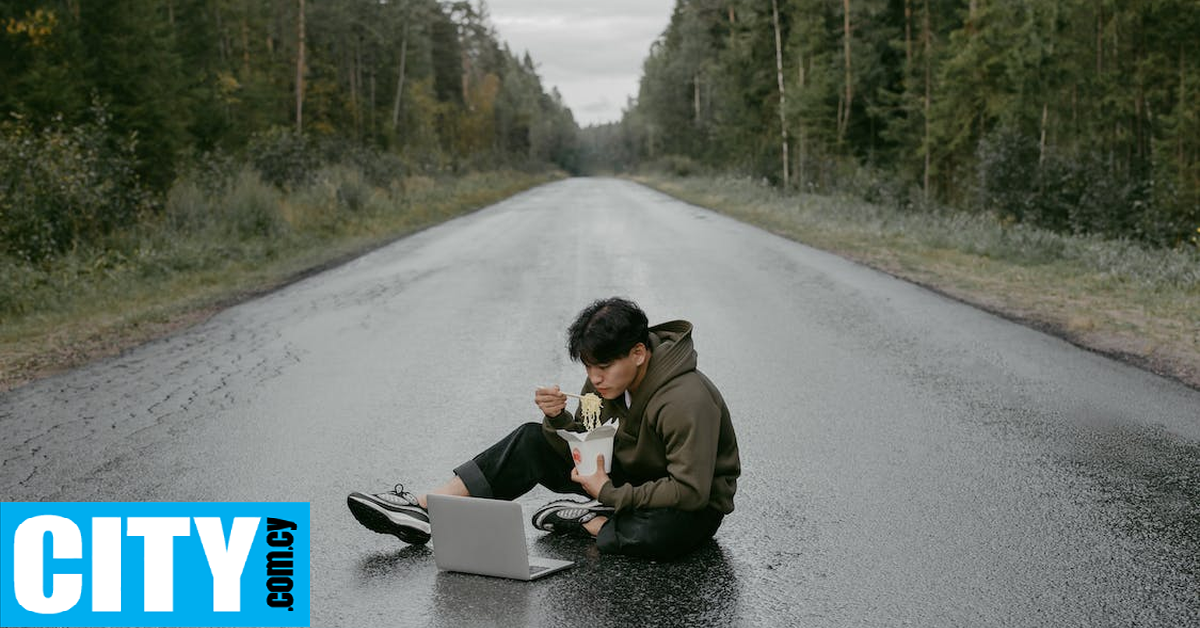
(154, 564)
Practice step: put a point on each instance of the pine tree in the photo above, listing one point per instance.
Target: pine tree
(138, 75)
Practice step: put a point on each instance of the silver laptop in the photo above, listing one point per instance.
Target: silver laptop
(486, 537)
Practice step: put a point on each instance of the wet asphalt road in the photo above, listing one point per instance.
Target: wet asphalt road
(908, 460)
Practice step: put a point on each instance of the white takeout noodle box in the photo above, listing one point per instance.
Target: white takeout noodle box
(585, 446)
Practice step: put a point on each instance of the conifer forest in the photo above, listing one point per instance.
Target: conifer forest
(1078, 116)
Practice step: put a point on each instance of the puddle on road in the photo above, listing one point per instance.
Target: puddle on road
(701, 589)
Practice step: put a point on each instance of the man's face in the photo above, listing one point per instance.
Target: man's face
(612, 379)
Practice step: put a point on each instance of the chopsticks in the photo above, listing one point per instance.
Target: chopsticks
(573, 395)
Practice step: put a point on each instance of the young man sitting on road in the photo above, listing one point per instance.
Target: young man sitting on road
(675, 465)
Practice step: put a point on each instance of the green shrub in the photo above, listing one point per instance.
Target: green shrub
(251, 208)
(677, 165)
(873, 185)
(242, 206)
(347, 188)
(1007, 167)
(1074, 193)
(379, 169)
(283, 158)
(188, 208)
(18, 280)
(62, 185)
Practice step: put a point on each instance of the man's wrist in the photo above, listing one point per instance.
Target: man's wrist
(561, 420)
(606, 488)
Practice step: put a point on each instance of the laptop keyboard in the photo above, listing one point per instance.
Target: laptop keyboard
(536, 569)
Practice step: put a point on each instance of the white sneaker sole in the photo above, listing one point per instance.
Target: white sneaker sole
(379, 519)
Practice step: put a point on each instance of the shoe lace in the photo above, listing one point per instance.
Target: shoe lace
(580, 515)
(401, 496)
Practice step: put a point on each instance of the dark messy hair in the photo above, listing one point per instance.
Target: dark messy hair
(606, 330)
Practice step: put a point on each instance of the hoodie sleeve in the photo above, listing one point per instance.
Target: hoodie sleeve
(689, 426)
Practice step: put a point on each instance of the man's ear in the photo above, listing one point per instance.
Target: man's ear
(639, 354)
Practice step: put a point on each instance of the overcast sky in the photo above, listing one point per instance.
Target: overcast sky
(592, 50)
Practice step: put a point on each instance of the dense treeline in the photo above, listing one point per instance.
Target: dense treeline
(1081, 116)
(105, 105)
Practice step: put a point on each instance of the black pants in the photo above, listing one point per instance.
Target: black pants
(523, 459)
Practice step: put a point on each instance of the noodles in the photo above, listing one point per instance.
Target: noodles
(589, 411)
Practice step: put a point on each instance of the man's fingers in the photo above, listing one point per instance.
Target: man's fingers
(550, 399)
(550, 394)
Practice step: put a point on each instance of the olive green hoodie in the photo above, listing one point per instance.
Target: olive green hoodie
(675, 445)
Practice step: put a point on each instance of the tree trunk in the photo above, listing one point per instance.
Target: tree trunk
(783, 134)
(1180, 130)
(928, 37)
(356, 87)
(696, 99)
(802, 158)
(1075, 110)
(245, 48)
(1140, 151)
(221, 43)
(300, 69)
(466, 75)
(1042, 142)
(732, 21)
(708, 95)
(907, 37)
(226, 108)
(848, 98)
(400, 79)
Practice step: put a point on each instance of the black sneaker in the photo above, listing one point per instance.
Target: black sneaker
(395, 512)
(567, 516)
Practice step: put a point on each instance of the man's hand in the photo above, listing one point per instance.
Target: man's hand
(550, 400)
(594, 482)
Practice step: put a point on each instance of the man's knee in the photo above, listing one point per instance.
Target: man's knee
(530, 436)
(529, 430)
(530, 442)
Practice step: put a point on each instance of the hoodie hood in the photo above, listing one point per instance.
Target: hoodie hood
(671, 355)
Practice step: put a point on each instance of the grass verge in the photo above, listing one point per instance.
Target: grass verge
(211, 250)
(1118, 298)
